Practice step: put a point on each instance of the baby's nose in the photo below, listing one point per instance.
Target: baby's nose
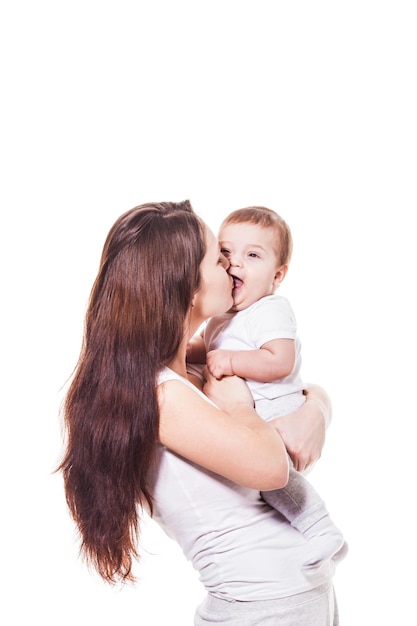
(235, 260)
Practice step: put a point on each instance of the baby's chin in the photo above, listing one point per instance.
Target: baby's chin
(234, 308)
(237, 306)
(240, 305)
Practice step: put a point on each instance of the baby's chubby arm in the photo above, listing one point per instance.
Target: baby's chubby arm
(274, 360)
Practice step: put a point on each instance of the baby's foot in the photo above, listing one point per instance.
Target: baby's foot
(323, 548)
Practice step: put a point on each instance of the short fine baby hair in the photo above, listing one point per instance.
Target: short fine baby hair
(265, 218)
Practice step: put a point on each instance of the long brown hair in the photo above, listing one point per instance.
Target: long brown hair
(148, 274)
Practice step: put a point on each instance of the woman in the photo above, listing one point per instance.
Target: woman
(141, 436)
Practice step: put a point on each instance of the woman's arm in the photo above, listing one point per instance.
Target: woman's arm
(304, 431)
(232, 440)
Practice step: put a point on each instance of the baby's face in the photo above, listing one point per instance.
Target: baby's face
(250, 250)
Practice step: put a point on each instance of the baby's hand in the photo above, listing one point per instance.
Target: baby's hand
(227, 393)
(219, 363)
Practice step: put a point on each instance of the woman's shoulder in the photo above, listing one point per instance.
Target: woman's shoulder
(167, 375)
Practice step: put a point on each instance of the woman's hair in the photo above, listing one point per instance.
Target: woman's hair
(266, 218)
(135, 322)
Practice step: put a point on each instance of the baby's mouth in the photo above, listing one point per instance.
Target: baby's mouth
(237, 282)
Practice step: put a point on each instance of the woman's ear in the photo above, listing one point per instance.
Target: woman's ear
(280, 274)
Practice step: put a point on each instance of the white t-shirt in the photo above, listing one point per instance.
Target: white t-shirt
(269, 318)
(242, 548)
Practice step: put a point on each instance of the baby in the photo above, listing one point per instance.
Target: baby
(257, 340)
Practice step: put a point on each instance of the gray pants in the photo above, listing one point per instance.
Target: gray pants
(312, 608)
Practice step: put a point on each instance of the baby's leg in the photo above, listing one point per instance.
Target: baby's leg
(305, 510)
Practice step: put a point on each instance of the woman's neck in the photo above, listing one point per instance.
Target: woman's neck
(178, 363)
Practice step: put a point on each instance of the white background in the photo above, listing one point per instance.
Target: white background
(306, 107)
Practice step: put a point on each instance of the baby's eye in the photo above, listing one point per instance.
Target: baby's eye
(225, 252)
(253, 255)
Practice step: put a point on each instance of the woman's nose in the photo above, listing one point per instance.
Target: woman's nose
(225, 261)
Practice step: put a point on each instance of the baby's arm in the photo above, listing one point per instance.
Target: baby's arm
(274, 360)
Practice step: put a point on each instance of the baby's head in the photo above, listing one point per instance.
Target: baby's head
(265, 218)
(258, 245)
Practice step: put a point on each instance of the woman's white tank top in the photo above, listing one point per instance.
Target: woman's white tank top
(242, 548)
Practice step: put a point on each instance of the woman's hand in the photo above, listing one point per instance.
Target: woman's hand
(304, 431)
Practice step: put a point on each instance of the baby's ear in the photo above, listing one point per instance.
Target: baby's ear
(280, 274)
